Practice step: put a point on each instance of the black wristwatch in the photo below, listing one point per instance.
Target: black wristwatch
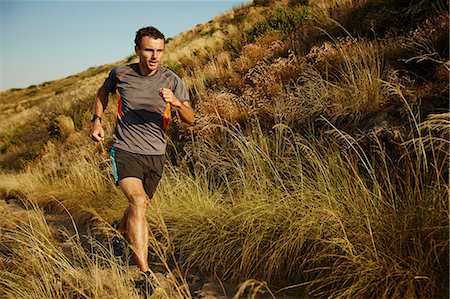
(94, 117)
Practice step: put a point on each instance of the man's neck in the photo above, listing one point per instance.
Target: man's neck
(146, 72)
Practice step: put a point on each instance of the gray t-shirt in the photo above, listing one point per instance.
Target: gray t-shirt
(139, 124)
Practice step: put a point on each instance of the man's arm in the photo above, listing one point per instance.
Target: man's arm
(186, 112)
(97, 132)
(184, 108)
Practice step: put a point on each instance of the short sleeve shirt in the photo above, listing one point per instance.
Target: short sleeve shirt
(139, 124)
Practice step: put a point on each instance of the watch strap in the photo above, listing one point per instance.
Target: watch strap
(95, 116)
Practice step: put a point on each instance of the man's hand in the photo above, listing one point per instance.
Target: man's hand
(169, 97)
(97, 132)
(184, 108)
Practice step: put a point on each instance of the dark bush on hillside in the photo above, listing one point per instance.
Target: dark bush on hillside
(173, 66)
(261, 2)
(130, 58)
(297, 2)
(234, 46)
(414, 12)
(284, 20)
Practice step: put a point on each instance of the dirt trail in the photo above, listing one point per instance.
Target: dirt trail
(63, 230)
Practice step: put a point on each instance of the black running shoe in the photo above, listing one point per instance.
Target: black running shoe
(146, 284)
(118, 243)
(118, 246)
(116, 224)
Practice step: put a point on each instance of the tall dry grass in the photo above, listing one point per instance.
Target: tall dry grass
(321, 213)
(34, 265)
(310, 217)
(325, 219)
(56, 233)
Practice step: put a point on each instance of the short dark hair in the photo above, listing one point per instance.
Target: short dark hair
(147, 31)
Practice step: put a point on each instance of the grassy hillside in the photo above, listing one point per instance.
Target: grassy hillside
(317, 167)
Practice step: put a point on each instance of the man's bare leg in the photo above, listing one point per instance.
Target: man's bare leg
(122, 229)
(136, 222)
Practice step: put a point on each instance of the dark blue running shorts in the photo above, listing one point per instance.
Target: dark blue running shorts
(148, 168)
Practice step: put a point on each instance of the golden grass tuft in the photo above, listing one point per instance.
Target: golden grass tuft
(65, 126)
(354, 72)
(223, 108)
(265, 48)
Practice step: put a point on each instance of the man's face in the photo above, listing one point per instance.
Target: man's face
(150, 53)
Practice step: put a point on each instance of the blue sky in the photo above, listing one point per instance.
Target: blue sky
(48, 40)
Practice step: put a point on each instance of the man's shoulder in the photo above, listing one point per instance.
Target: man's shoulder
(123, 69)
(169, 73)
(126, 67)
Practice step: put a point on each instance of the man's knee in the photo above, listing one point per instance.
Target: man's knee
(137, 201)
(134, 191)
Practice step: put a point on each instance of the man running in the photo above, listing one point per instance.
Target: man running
(146, 92)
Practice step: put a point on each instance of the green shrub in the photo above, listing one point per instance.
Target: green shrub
(80, 117)
(210, 31)
(233, 46)
(284, 20)
(173, 66)
(238, 18)
(210, 82)
(261, 2)
(31, 93)
(297, 2)
(130, 57)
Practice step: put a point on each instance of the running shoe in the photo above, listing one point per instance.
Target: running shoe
(146, 284)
